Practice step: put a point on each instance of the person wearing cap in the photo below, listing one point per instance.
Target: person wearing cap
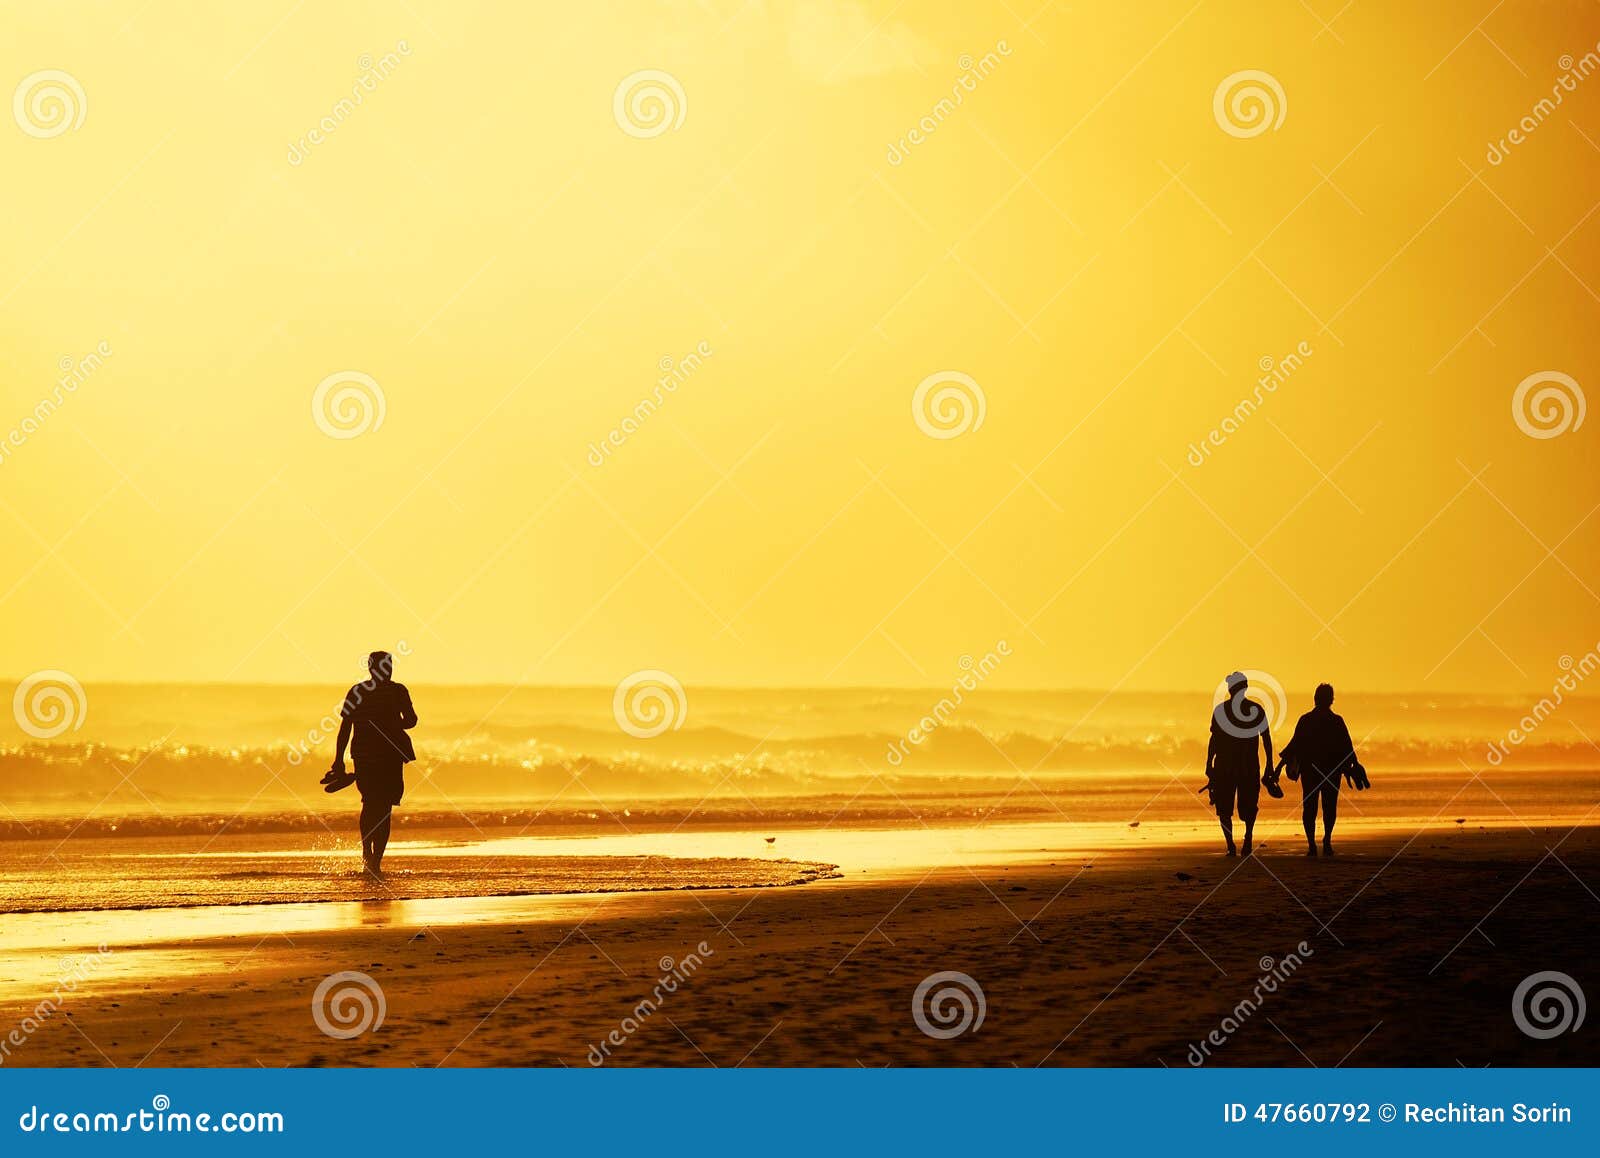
(376, 715)
(1233, 765)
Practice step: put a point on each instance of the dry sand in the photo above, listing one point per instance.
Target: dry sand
(1416, 947)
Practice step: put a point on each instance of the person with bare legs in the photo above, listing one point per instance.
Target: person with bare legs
(1233, 768)
(1319, 754)
(376, 716)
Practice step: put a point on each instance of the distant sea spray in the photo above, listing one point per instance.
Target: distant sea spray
(213, 748)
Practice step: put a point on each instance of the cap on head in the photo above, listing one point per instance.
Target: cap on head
(1323, 697)
(1237, 681)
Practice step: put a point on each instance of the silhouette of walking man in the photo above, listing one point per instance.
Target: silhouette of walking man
(377, 714)
(1320, 752)
(1233, 768)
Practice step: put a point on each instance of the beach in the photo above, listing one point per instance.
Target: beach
(1110, 950)
(787, 880)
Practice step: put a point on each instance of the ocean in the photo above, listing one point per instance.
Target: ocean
(173, 751)
(193, 796)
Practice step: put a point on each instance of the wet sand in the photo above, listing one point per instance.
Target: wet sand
(1414, 945)
(124, 883)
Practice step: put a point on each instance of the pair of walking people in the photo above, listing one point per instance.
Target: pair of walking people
(1320, 755)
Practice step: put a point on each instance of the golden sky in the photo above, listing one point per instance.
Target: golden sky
(1107, 253)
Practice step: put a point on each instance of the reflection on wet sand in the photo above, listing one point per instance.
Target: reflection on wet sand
(168, 942)
(38, 951)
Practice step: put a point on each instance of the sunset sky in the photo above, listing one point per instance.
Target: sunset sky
(1080, 236)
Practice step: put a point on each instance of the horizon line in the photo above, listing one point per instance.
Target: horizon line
(723, 687)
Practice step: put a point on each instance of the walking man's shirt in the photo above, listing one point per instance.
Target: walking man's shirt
(381, 712)
(1233, 764)
(1237, 728)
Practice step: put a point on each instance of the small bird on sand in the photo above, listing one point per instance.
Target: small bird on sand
(1133, 824)
(1182, 876)
(771, 839)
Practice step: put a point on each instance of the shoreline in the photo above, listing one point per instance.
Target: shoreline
(458, 864)
(934, 795)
